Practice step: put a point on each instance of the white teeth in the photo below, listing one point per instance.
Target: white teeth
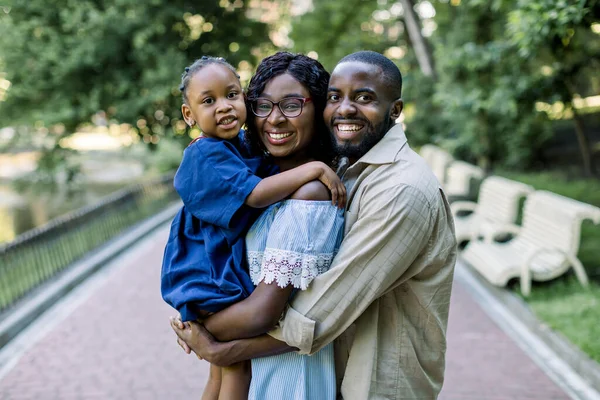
(279, 136)
(227, 121)
(349, 127)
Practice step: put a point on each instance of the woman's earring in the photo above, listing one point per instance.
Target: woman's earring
(192, 123)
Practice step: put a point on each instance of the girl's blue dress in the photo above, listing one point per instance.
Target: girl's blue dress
(290, 244)
(204, 264)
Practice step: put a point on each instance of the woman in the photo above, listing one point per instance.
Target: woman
(293, 241)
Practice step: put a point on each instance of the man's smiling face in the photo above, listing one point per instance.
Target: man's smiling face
(360, 108)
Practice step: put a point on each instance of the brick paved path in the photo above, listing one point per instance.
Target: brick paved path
(117, 344)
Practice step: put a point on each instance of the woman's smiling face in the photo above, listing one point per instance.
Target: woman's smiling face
(284, 136)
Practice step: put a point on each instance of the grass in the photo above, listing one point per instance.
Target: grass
(571, 310)
(563, 303)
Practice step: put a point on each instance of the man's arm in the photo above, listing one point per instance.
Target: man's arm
(223, 354)
(391, 230)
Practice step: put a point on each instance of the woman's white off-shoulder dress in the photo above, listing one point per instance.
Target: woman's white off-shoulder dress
(291, 243)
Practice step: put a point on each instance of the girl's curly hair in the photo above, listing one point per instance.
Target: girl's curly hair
(311, 74)
(196, 66)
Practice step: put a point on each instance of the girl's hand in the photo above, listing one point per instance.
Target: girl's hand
(196, 338)
(335, 186)
(178, 325)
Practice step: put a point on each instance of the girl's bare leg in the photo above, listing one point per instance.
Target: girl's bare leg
(235, 381)
(213, 386)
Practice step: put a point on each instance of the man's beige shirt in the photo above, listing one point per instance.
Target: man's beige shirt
(386, 296)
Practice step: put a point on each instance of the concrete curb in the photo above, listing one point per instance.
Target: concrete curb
(26, 311)
(586, 368)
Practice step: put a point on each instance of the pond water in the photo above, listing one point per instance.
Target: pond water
(26, 207)
(26, 204)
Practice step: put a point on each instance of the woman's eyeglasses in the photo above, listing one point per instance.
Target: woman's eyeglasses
(290, 107)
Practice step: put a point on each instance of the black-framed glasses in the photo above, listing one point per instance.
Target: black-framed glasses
(290, 107)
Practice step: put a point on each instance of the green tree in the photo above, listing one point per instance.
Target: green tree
(67, 60)
(334, 29)
(556, 37)
(486, 93)
(480, 91)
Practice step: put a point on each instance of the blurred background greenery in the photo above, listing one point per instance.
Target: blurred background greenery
(489, 78)
(499, 83)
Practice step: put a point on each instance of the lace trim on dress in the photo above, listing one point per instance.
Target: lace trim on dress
(287, 267)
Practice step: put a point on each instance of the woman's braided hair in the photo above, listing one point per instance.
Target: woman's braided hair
(311, 74)
(197, 66)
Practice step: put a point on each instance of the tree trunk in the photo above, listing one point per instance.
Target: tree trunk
(422, 51)
(584, 144)
(582, 139)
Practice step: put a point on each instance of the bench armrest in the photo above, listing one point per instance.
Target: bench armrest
(459, 206)
(572, 259)
(507, 228)
(497, 229)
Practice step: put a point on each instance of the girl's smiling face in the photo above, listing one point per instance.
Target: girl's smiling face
(215, 102)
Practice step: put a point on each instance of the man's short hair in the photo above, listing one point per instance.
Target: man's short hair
(391, 74)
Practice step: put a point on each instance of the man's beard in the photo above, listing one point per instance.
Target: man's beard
(372, 136)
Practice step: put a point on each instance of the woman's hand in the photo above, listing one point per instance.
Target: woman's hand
(335, 186)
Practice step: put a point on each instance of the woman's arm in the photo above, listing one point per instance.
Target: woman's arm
(260, 312)
(277, 187)
(194, 337)
(252, 316)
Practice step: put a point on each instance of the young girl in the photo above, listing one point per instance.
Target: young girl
(222, 188)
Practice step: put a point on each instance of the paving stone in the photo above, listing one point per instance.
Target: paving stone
(483, 363)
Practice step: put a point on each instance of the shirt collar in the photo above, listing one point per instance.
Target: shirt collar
(387, 149)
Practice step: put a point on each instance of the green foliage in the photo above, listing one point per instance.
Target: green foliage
(426, 122)
(556, 36)
(337, 28)
(59, 162)
(535, 24)
(484, 91)
(494, 60)
(167, 158)
(483, 105)
(571, 310)
(67, 60)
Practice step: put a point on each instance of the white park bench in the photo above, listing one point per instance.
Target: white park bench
(459, 179)
(438, 160)
(544, 248)
(497, 206)
(462, 180)
(427, 151)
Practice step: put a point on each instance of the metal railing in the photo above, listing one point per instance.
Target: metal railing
(39, 254)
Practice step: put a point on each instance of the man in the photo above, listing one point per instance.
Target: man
(386, 296)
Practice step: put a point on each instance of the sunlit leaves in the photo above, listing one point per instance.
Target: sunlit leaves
(67, 60)
(536, 23)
